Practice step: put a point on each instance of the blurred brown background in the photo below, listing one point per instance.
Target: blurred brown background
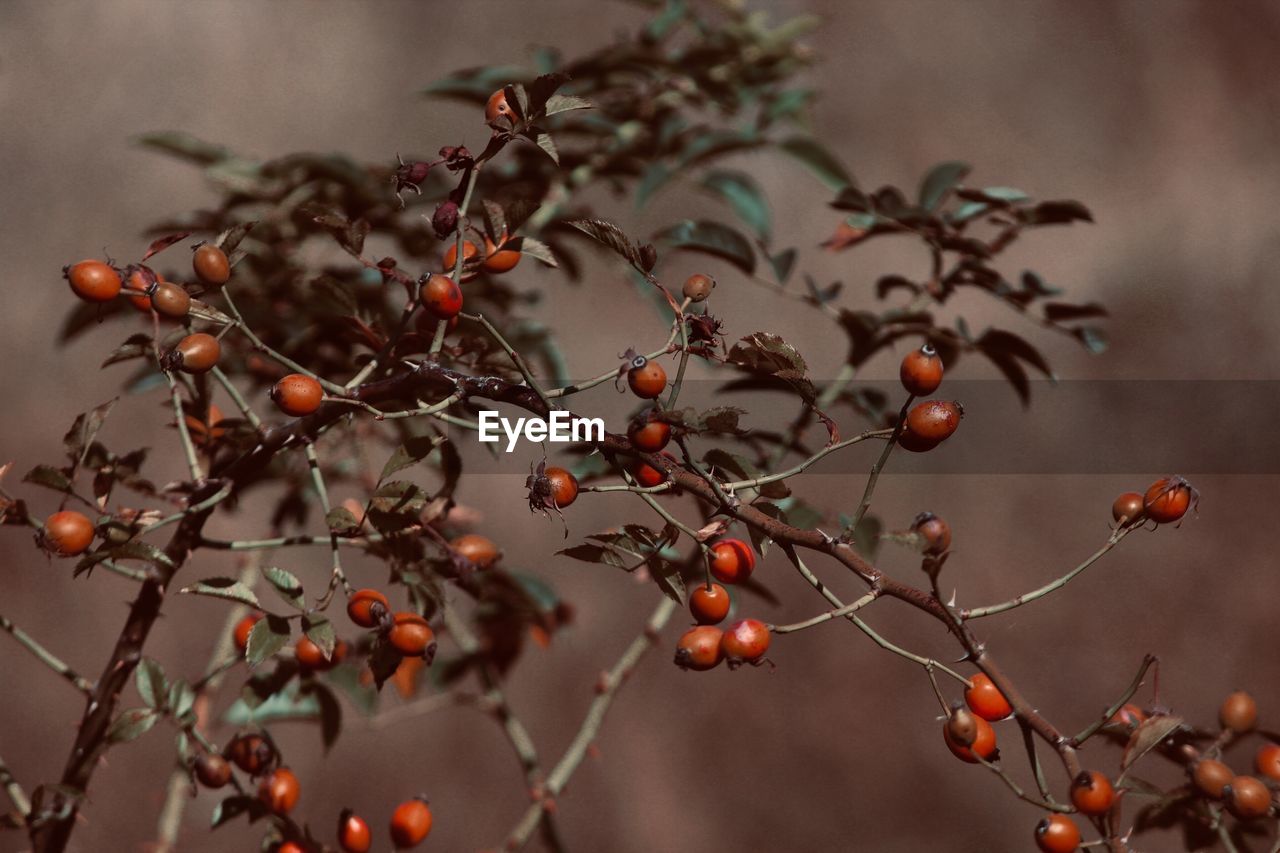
(1163, 116)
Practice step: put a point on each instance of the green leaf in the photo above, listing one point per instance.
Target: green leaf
(544, 141)
(744, 195)
(267, 637)
(284, 705)
(783, 263)
(609, 235)
(131, 724)
(320, 631)
(940, 181)
(49, 477)
(234, 806)
(85, 429)
(182, 700)
(668, 578)
(226, 588)
(287, 584)
(413, 451)
(712, 238)
(818, 160)
(149, 679)
(564, 103)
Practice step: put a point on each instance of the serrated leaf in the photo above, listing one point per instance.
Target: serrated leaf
(610, 235)
(564, 103)
(320, 631)
(537, 250)
(49, 477)
(767, 354)
(341, 521)
(225, 588)
(818, 160)
(285, 583)
(162, 243)
(268, 636)
(941, 180)
(149, 679)
(135, 346)
(495, 219)
(668, 578)
(544, 141)
(712, 238)
(744, 195)
(85, 429)
(182, 700)
(131, 725)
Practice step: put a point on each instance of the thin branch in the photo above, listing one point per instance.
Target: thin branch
(337, 577)
(607, 691)
(1017, 791)
(260, 346)
(13, 789)
(515, 357)
(1052, 586)
(236, 397)
(47, 657)
(829, 615)
(807, 463)
(1092, 729)
(877, 468)
(180, 418)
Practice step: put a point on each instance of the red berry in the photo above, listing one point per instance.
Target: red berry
(934, 533)
(745, 641)
(709, 604)
(1129, 715)
(311, 657)
(411, 823)
(279, 791)
(1239, 712)
(212, 770)
(243, 629)
(646, 475)
(1267, 761)
(198, 353)
(564, 486)
(366, 607)
(498, 260)
(921, 371)
(441, 297)
(984, 742)
(1211, 777)
(934, 420)
(67, 533)
(411, 635)
(1247, 798)
(478, 549)
(211, 265)
(497, 112)
(353, 833)
(1091, 793)
(699, 648)
(650, 437)
(297, 395)
(1127, 507)
(1168, 499)
(93, 281)
(986, 700)
(647, 378)
(251, 753)
(170, 300)
(698, 287)
(732, 561)
(1057, 834)
(450, 259)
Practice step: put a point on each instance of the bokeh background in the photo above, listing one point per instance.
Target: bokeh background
(1163, 115)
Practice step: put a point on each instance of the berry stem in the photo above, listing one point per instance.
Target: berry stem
(870, 489)
(828, 615)
(47, 657)
(1092, 729)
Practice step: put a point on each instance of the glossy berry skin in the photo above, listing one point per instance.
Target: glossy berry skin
(732, 561)
(921, 371)
(410, 824)
(353, 833)
(908, 440)
(646, 475)
(1211, 777)
(709, 604)
(1091, 793)
(68, 533)
(962, 726)
(564, 486)
(984, 742)
(290, 847)
(478, 549)
(441, 297)
(1057, 833)
(211, 265)
(170, 300)
(279, 791)
(647, 380)
(986, 700)
(93, 281)
(365, 607)
(699, 648)
(934, 420)
(297, 395)
(1247, 798)
(745, 641)
(311, 657)
(1127, 507)
(698, 287)
(650, 437)
(251, 753)
(1238, 712)
(450, 259)
(243, 629)
(497, 111)
(138, 286)
(498, 261)
(198, 353)
(212, 771)
(411, 635)
(1267, 761)
(935, 534)
(1168, 500)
